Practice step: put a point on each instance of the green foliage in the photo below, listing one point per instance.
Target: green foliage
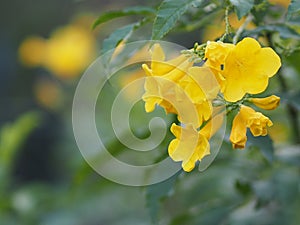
(156, 193)
(264, 144)
(107, 16)
(242, 7)
(258, 185)
(284, 31)
(118, 36)
(294, 99)
(169, 12)
(13, 135)
(294, 9)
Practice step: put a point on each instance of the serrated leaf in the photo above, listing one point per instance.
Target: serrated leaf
(294, 9)
(242, 7)
(156, 192)
(263, 143)
(169, 12)
(138, 10)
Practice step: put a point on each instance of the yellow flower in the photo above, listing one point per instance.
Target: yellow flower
(201, 87)
(48, 94)
(248, 118)
(69, 50)
(159, 91)
(32, 51)
(168, 73)
(268, 103)
(189, 146)
(244, 68)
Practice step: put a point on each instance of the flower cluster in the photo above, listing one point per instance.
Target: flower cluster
(231, 73)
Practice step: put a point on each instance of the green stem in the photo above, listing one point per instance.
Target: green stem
(227, 24)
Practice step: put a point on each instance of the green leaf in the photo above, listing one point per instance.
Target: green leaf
(284, 31)
(263, 143)
(119, 35)
(138, 10)
(242, 7)
(12, 136)
(243, 187)
(294, 9)
(169, 12)
(156, 192)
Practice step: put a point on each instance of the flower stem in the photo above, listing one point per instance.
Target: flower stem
(227, 24)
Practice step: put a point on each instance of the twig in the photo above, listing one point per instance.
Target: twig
(242, 28)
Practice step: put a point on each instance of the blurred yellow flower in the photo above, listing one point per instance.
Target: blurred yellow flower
(48, 94)
(189, 146)
(67, 52)
(244, 68)
(32, 51)
(216, 28)
(280, 132)
(248, 118)
(268, 103)
(284, 3)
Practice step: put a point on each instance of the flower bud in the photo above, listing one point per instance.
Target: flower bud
(267, 103)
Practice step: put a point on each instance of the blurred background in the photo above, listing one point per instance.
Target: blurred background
(45, 48)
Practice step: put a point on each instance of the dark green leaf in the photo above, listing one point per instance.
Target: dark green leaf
(243, 187)
(294, 9)
(242, 7)
(263, 143)
(168, 14)
(156, 192)
(139, 10)
(283, 30)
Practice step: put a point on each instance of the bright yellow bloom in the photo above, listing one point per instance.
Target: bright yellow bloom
(244, 68)
(201, 87)
(189, 146)
(161, 91)
(248, 118)
(268, 103)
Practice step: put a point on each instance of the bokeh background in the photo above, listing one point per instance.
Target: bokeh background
(45, 48)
